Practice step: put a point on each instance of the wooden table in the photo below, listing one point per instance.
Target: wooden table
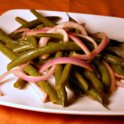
(100, 7)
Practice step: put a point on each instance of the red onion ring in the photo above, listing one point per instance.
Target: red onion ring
(88, 38)
(28, 78)
(80, 44)
(73, 25)
(36, 31)
(64, 60)
(96, 51)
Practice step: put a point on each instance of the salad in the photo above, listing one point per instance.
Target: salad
(84, 63)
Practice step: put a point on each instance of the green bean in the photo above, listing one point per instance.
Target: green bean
(33, 41)
(97, 84)
(114, 60)
(7, 52)
(64, 76)
(94, 94)
(7, 40)
(81, 81)
(20, 20)
(20, 83)
(32, 24)
(44, 85)
(105, 76)
(49, 90)
(59, 68)
(33, 72)
(36, 22)
(62, 94)
(39, 26)
(40, 51)
(44, 20)
(118, 69)
(52, 35)
(23, 48)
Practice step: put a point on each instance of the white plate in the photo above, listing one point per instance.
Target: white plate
(28, 99)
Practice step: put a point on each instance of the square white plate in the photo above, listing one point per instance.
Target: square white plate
(28, 99)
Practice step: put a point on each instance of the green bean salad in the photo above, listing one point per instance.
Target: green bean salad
(87, 64)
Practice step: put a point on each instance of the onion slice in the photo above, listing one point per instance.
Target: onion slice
(88, 38)
(64, 60)
(80, 44)
(37, 31)
(5, 74)
(96, 51)
(28, 78)
(75, 25)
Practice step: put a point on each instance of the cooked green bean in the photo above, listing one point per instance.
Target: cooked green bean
(40, 51)
(7, 40)
(96, 83)
(49, 90)
(59, 68)
(105, 76)
(20, 20)
(94, 94)
(65, 75)
(23, 48)
(20, 83)
(83, 84)
(7, 52)
(52, 35)
(33, 72)
(44, 20)
(112, 59)
(33, 41)
(62, 94)
(32, 24)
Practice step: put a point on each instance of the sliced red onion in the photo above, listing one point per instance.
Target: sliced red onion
(80, 44)
(36, 31)
(73, 25)
(20, 68)
(43, 40)
(96, 51)
(65, 60)
(28, 78)
(112, 76)
(89, 39)
(5, 74)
